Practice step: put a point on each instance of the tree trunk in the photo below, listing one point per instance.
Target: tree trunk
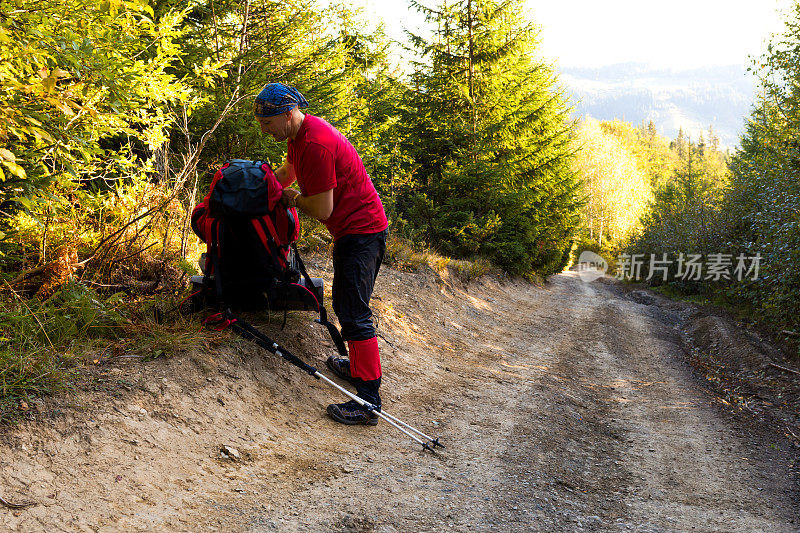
(600, 234)
(472, 68)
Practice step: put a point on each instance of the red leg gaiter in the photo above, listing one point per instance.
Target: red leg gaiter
(365, 359)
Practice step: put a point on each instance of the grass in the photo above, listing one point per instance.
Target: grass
(35, 356)
(402, 254)
(704, 295)
(675, 293)
(43, 344)
(470, 270)
(29, 374)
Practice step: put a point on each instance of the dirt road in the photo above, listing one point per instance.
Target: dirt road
(564, 407)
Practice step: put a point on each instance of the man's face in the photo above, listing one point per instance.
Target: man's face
(277, 126)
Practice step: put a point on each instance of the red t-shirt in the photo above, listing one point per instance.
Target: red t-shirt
(324, 159)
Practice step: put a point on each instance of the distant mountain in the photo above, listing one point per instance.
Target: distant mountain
(721, 97)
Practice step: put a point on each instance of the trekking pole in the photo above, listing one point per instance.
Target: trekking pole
(427, 444)
(246, 331)
(433, 441)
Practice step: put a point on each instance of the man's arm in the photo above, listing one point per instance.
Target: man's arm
(319, 206)
(319, 181)
(285, 174)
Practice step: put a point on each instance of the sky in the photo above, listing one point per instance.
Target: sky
(678, 34)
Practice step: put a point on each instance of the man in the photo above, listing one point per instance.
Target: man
(336, 190)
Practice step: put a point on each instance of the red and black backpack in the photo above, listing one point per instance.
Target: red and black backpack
(251, 260)
(249, 236)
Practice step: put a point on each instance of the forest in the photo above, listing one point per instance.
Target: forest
(115, 114)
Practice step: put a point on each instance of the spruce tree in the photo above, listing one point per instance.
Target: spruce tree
(490, 139)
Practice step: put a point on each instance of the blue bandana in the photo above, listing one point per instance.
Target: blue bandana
(277, 98)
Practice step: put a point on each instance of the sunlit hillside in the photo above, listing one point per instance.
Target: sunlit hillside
(720, 97)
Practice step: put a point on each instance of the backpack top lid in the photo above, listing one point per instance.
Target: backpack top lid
(243, 188)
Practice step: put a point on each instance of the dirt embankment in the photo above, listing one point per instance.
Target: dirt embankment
(568, 406)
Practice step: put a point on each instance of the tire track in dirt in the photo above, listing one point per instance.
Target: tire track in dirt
(640, 445)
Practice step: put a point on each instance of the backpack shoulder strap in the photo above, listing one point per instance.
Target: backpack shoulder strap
(323, 313)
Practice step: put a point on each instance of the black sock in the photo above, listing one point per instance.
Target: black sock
(368, 390)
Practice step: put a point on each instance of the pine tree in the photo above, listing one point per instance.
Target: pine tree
(680, 144)
(713, 139)
(652, 132)
(491, 140)
(763, 199)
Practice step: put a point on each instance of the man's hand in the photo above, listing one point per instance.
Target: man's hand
(289, 197)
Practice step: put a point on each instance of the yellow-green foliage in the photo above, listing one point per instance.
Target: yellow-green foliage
(402, 255)
(470, 270)
(616, 186)
(76, 72)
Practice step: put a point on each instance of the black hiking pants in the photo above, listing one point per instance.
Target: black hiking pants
(356, 261)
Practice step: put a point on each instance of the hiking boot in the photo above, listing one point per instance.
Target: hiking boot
(352, 413)
(340, 367)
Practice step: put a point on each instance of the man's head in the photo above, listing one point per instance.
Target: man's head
(277, 109)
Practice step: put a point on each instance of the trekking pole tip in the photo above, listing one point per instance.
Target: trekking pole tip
(436, 443)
